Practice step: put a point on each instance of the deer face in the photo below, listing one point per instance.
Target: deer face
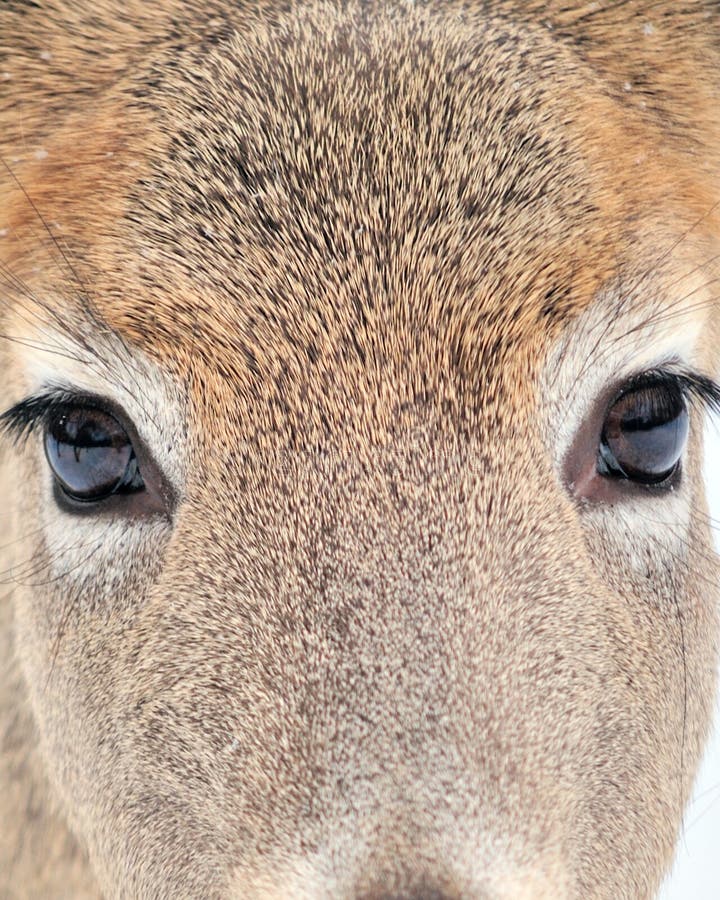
(357, 399)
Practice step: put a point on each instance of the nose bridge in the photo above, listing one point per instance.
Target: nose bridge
(446, 520)
(428, 542)
(391, 627)
(445, 574)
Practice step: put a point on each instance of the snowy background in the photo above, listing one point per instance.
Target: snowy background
(696, 874)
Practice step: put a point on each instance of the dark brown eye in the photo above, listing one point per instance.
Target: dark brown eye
(90, 454)
(645, 433)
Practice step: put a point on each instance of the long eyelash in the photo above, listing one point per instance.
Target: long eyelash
(698, 390)
(21, 420)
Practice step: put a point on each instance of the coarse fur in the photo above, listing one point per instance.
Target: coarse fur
(363, 276)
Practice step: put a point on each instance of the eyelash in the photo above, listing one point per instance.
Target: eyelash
(698, 390)
(22, 420)
(26, 417)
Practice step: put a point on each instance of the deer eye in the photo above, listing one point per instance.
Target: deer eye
(644, 433)
(90, 454)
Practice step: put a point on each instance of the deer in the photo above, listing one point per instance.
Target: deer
(355, 358)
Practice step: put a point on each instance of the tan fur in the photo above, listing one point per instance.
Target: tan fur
(359, 273)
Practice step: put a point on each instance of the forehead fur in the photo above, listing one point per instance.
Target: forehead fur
(304, 187)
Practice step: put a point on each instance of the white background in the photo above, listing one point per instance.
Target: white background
(696, 874)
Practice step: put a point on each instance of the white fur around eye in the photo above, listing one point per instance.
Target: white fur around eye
(151, 398)
(596, 351)
(79, 546)
(601, 350)
(90, 546)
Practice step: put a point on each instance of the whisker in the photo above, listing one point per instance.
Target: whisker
(44, 348)
(45, 225)
(662, 314)
(61, 319)
(23, 537)
(35, 564)
(702, 815)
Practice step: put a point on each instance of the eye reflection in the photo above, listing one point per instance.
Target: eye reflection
(645, 433)
(90, 454)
